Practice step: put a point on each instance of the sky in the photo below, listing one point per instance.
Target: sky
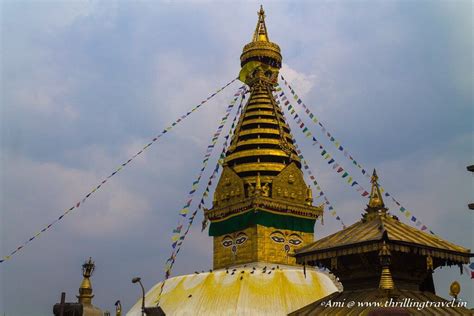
(86, 84)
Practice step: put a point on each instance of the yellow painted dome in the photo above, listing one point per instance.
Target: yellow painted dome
(253, 289)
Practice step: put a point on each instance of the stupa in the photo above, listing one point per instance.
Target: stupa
(262, 212)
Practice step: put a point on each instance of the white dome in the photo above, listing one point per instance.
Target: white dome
(253, 289)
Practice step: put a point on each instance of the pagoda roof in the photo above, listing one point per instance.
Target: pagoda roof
(377, 226)
(367, 234)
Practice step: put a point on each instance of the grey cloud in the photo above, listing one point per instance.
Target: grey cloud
(86, 84)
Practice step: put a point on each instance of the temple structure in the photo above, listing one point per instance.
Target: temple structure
(385, 266)
(262, 227)
(262, 208)
(84, 306)
(262, 212)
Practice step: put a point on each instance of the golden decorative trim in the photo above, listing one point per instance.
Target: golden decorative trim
(258, 141)
(259, 131)
(217, 214)
(261, 49)
(373, 246)
(256, 152)
(257, 113)
(260, 121)
(262, 166)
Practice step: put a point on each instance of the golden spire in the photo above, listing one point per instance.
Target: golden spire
(376, 200)
(261, 33)
(260, 49)
(262, 144)
(85, 291)
(261, 184)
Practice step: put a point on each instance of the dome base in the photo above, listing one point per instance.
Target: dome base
(253, 289)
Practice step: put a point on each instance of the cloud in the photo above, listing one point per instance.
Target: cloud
(304, 82)
(86, 85)
(108, 213)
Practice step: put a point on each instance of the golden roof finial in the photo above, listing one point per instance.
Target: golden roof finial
(260, 50)
(261, 33)
(386, 281)
(376, 200)
(85, 291)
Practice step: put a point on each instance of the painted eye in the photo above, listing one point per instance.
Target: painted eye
(295, 241)
(241, 240)
(278, 239)
(227, 243)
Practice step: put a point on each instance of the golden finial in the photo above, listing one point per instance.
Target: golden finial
(261, 29)
(85, 291)
(260, 51)
(376, 200)
(88, 268)
(455, 289)
(386, 281)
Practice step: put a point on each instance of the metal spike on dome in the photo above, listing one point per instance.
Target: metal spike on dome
(261, 33)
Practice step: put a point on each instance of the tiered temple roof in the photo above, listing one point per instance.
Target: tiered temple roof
(380, 259)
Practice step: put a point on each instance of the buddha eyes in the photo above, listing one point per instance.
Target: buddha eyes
(230, 241)
(292, 239)
(278, 239)
(227, 243)
(294, 242)
(240, 240)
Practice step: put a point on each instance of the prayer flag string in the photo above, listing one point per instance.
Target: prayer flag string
(183, 212)
(408, 214)
(171, 260)
(338, 168)
(319, 191)
(103, 182)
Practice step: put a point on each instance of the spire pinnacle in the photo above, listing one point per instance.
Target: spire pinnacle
(376, 200)
(261, 34)
(85, 291)
(260, 50)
